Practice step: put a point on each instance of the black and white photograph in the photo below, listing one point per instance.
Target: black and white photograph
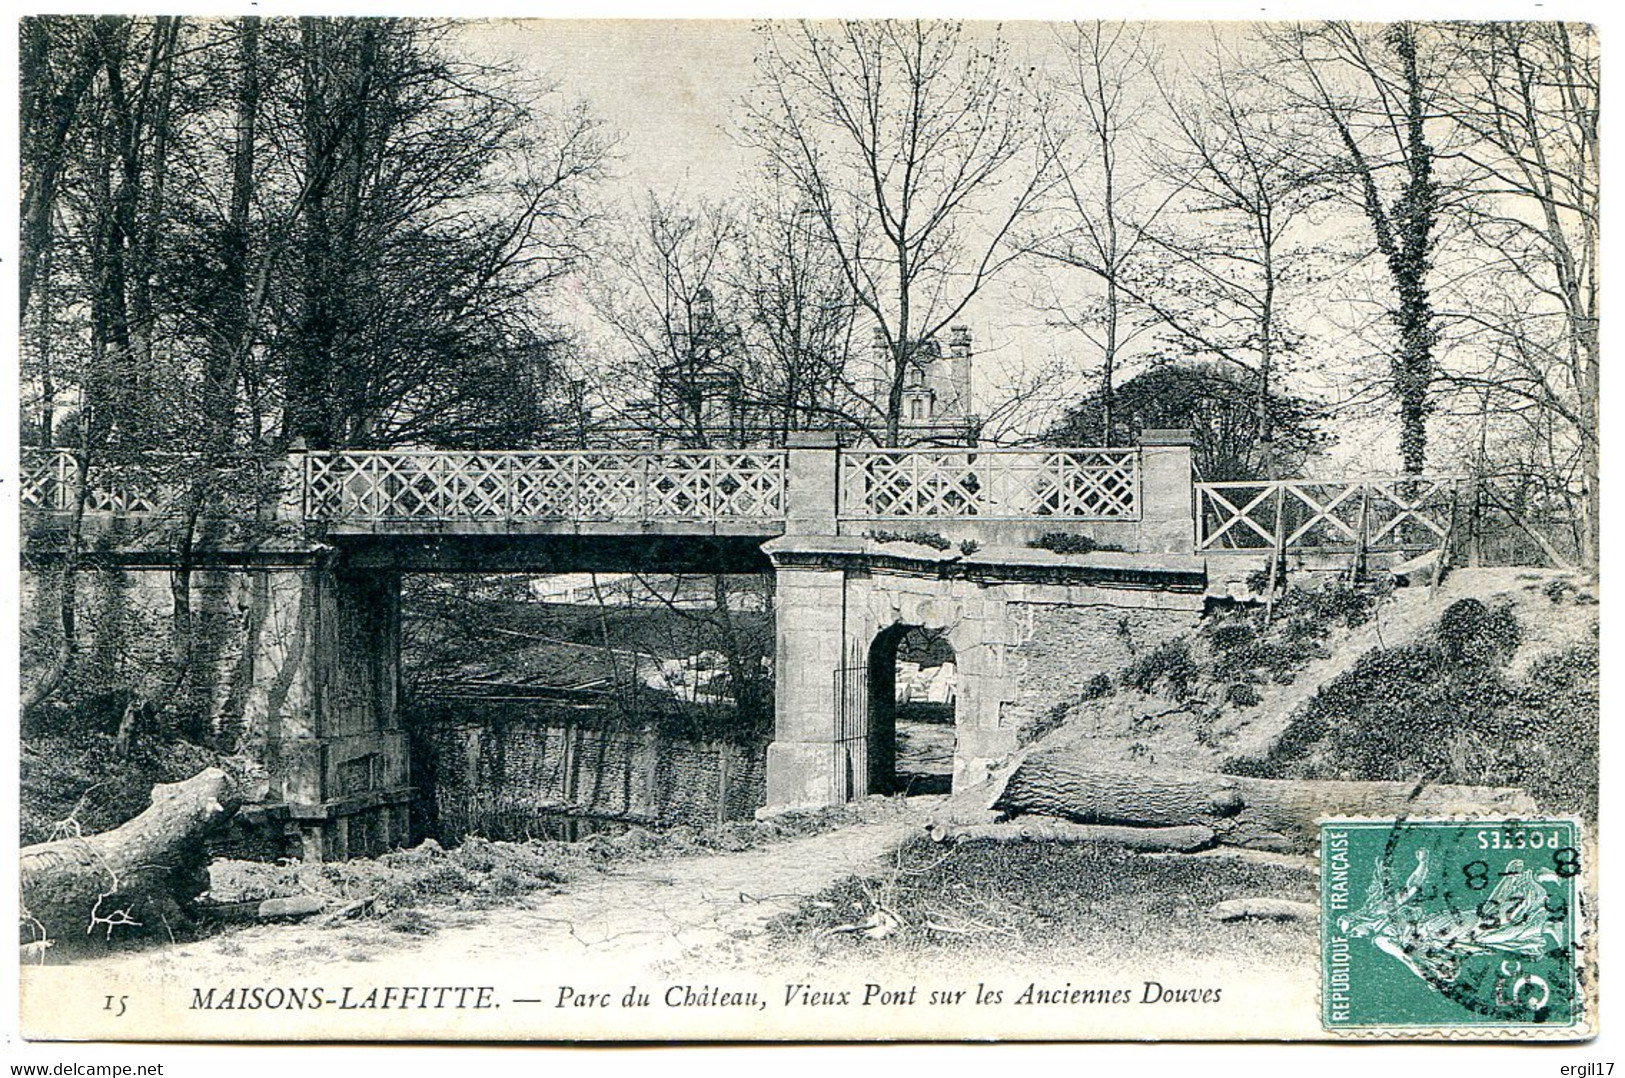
(685, 530)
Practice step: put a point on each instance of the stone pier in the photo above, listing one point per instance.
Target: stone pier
(300, 673)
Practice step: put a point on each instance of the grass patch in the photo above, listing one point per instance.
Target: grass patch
(1102, 900)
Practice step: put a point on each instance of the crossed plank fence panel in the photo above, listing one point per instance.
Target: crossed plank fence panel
(441, 486)
(1405, 513)
(990, 484)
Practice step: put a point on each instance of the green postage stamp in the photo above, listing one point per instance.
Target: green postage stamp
(1450, 924)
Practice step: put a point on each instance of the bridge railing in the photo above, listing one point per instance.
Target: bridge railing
(47, 476)
(1402, 514)
(990, 484)
(407, 486)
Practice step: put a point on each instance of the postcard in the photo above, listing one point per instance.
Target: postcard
(566, 530)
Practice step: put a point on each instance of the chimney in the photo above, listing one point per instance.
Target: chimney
(878, 337)
(959, 371)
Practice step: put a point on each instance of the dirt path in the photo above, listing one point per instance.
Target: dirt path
(638, 913)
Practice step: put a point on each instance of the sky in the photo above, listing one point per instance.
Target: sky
(666, 86)
(670, 90)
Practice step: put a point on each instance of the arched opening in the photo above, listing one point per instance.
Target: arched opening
(913, 685)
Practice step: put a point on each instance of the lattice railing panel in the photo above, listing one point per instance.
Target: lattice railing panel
(1073, 484)
(433, 486)
(1382, 514)
(46, 483)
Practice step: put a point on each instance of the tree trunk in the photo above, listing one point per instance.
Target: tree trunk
(138, 875)
(1409, 259)
(48, 122)
(1265, 814)
(67, 644)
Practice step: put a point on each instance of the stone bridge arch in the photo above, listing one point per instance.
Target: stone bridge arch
(841, 601)
(891, 603)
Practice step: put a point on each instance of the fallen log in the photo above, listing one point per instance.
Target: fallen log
(140, 875)
(1045, 829)
(288, 908)
(1265, 814)
(1294, 862)
(1264, 909)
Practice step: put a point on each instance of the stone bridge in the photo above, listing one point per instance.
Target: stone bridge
(862, 543)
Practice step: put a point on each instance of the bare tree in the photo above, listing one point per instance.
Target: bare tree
(734, 322)
(1232, 260)
(911, 145)
(203, 199)
(799, 315)
(438, 202)
(1527, 96)
(95, 162)
(658, 291)
(58, 61)
(1105, 198)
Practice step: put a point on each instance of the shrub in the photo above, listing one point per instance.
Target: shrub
(1233, 635)
(1270, 657)
(1097, 686)
(1071, 543)
(1311, 612)
(1169, 663)
(1471, 632)
(1444, 711)
(935, 540)
(1563, 670)
(1243, 694)
(969, 547)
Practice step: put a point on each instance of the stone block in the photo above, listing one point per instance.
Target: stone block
(803, 772)
(811, 491)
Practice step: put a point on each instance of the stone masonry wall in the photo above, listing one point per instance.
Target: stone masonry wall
(513, 775)
(1060, 648)
(247, 637)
